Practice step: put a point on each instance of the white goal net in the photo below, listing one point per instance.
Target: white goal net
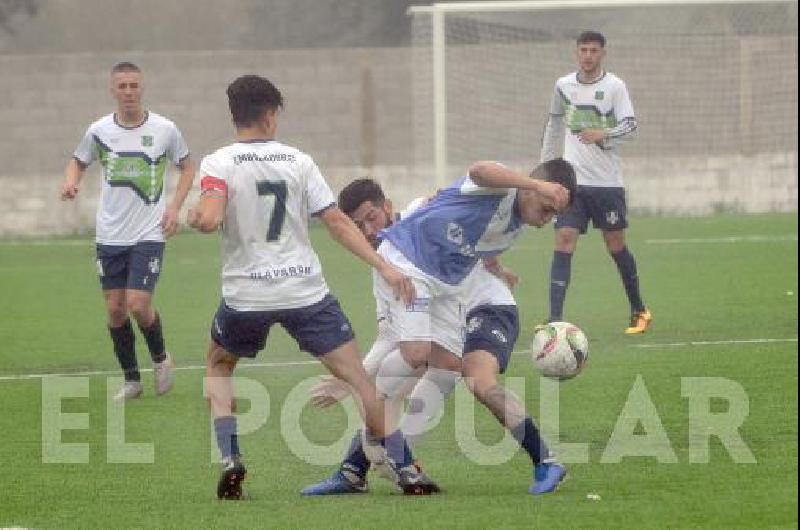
(714, 86)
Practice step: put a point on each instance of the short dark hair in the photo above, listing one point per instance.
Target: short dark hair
(592, 36)
(559, 171)
(125, 66)
(357, 193)
(249, 96)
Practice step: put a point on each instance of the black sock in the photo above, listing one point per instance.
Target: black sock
(560, 271)
(356, 460)
(227, 440)
(125, 348)
(154, 339)
(529, 439)
(627, 270)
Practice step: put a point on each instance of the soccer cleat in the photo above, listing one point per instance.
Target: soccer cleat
(640, 321)
(229, 487)
(129, 390)
(547, 477)
(164, 375)
(342, 482)
(413, 481)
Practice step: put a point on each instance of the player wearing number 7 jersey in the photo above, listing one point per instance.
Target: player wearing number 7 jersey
(262, 193)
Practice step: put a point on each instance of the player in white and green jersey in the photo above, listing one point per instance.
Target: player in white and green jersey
(596, 109)
(135, 148)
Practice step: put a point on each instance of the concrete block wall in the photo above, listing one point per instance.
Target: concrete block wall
(351, 109)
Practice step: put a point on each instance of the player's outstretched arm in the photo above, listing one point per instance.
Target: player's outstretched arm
(347, 234)
(73, 174)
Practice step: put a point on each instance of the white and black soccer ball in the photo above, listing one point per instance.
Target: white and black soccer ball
(559, 350)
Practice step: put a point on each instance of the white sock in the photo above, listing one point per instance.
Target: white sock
(426, 403)
(394, 375)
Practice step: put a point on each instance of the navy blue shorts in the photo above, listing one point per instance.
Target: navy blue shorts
(318, 329)
(604, 206)
(130, 267)
(493, 328)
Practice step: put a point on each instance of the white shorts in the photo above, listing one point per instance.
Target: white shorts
(438, 313)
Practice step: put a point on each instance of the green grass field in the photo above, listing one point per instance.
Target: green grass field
(705, 291)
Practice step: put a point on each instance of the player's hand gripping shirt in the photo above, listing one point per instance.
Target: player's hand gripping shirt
(272, 189)
(134, 161)
(604, 104)
(463, 223)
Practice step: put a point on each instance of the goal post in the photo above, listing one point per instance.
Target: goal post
(713, 82)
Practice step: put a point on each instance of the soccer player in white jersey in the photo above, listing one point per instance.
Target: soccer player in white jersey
(135, 148)
(490, 310)
(262, 192)
(599, 116)
(439, 246)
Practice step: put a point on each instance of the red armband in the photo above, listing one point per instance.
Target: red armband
(209, 183)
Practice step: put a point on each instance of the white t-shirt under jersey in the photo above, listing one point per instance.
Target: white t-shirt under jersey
(598, 105)
(272, 189)
(135, 161)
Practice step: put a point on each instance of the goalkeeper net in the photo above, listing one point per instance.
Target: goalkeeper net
(714, 87)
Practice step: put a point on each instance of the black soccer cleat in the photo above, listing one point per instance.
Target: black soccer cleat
(413, 481)
(229, 487)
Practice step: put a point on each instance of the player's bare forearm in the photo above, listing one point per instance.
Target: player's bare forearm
(73, 174)
(493, 175)
(185, 182)
(346, 233)
(593, 136)
(207, 215)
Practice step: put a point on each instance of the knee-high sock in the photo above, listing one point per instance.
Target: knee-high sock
(530, 439)
(426, 401)
(626, 265)
(560, 271)
(125, 349)
(227, 439)
(394, 374)
(155, 339)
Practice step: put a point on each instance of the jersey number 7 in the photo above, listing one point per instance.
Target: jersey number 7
(278, 190)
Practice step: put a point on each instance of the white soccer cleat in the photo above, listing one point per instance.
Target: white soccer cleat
(129, 390)
(164, 374)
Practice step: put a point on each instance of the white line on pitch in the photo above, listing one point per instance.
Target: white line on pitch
(712, 343)
(88, 243)
(117, 372)
(727, 239)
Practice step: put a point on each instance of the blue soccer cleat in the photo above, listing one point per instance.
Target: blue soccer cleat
(341, 482)
(547, 477)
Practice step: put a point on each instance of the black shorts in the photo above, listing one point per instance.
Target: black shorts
(493, 328)
(604, 206)
(318, 329)
(130, 267)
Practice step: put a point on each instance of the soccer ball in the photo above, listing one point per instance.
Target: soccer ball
(559, 350)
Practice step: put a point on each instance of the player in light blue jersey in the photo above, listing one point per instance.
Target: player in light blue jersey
(438, 247)
(487, 319)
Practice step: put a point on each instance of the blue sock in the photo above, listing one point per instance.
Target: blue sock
(227, 440)
(529, 439)
(398, 450)
(627, 270)
(560, 271)
(355, 459)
